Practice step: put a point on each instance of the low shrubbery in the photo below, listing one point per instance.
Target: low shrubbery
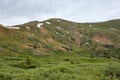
(68, 60)
(4, 76)
(28, 63)
(58, 67)
(113, 72)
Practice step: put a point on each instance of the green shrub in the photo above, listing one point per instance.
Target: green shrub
(113, 72)
(71, 62)
(66, 59)
(28, 63)
(4, 76)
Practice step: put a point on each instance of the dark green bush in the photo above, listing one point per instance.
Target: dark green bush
(71, 62)
(28, 63)
(66, 59)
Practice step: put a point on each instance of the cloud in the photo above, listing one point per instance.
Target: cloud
(20, 11)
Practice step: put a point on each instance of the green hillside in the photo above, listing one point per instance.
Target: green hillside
(55, 35)
(57, 49)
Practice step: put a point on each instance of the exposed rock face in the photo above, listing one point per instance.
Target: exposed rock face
(76, 35)
(101, 39)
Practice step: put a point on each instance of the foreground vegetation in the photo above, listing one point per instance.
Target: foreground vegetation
(62, 66)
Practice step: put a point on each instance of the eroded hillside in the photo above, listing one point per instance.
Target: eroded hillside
(53, 35)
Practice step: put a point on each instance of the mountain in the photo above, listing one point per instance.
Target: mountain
(57, 35)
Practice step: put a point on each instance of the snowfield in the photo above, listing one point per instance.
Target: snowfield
(39, 25)
(27, 27)
(58, 20)
(58, 27)
(13, 27)
(47, 22)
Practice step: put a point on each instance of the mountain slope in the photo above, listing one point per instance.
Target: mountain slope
(56, 35)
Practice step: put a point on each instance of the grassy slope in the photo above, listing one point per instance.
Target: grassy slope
(58, 35)
(60, 67)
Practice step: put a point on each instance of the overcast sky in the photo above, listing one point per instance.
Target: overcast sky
(21, 11)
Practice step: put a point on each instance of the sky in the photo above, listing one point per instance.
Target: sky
(20, 11)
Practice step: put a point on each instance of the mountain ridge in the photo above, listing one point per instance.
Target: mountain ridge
(49, 36)
(65, 20)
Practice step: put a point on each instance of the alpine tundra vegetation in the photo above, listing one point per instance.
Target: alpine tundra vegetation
(57, 49)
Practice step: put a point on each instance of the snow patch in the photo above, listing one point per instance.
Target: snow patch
(58, 27)
(56, 32)
(81, 35)
(27, 27)
(90, 25)
(113, 29)
(58, 20)
(13, 27)
(67, 32)
(47, 22)
(87, 43)
(39, 25)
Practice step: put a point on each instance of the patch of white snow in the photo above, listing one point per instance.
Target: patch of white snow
(27, 27)
(67, 32)
(13, 27)
(47, 22)
(81, 35)
(58, 27)
(113, 29)
(58, 20)
(90, 25)
(87, 43)
(39, 25)
(56, 32)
